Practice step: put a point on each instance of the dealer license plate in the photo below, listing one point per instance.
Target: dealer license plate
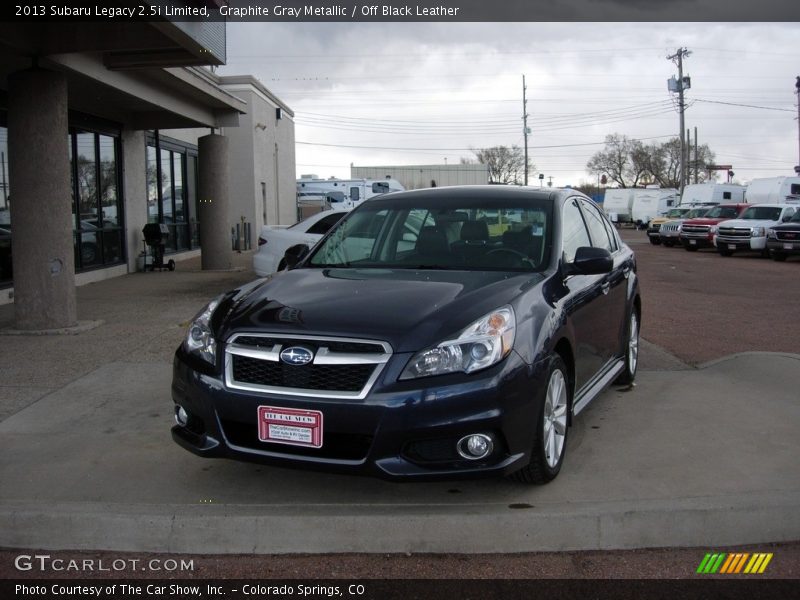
(731, 246)
(788, 246)
(290, 426)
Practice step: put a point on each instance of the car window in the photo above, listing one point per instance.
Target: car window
(322, 226)
(574, 233)
(463, 233)
(597, 229)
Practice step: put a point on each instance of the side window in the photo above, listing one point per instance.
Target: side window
(726, 195)
(597, 229)
(322, 226)
(573, 234)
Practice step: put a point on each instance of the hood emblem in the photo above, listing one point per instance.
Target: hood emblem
(297, 355)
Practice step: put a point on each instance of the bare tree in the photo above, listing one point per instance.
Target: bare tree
(629, 163)
(506, 165)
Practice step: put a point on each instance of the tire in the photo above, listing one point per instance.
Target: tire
(550, 428)
(171, 265)
(88, 253)
(655, 241)
(631, 351)
(724, 252)
(690, 248)
(778, 256)
(669, 244)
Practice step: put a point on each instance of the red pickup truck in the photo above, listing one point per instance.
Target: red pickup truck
(699, 233)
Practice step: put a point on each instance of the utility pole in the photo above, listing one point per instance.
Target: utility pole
(797, 90)
(696, 158)
(679, 86)
(525, 126)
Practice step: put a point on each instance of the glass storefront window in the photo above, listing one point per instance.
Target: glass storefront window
(152, 185)
(173, 202)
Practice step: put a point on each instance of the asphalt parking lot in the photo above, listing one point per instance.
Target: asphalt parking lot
(680, 460)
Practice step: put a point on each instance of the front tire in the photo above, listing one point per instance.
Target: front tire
(550, 428)
(724, 252)
(631, 351)
(655, 241)
(778, 256)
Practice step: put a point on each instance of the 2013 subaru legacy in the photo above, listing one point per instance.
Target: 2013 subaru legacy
(438, 333)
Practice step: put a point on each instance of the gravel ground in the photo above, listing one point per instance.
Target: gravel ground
(698, 307)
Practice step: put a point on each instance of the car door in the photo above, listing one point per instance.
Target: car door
(583, 302)
(612, 304)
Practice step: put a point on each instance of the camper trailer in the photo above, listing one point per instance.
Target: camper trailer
(638, 205)
(345, 193)
(776, 190)
(698, 194)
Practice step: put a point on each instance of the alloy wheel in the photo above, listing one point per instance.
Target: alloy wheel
(555, 418)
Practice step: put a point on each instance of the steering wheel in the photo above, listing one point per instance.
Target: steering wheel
(510, 252)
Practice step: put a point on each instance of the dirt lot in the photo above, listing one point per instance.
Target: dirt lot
(701, 306)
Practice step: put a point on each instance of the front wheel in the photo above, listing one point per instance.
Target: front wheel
(724, 252)
(778, 256)
(631, 351)
(655, 241)
(550, 433)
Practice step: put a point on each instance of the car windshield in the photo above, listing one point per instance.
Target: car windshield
(676, 212)
(722, 212)
(763, 213)
(476, 234)
(795, 217)
(697, 212)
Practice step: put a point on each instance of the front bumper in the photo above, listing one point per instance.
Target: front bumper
(783, 247)
(756, 244)
(401, 430)
(697, 241)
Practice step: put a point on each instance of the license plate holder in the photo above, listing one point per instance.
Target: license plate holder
(731, 246)
(788, 246)
(290, 426)
(692, 242)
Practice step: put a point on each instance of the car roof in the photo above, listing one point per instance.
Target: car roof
(499, 193)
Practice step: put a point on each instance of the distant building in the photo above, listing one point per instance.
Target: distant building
(414, 177)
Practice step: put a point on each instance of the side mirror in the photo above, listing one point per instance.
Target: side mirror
(590, 261)
(294, 254)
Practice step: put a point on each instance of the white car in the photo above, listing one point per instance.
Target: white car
(275, 239)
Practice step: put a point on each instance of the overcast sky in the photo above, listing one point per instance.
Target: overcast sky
(427, 93)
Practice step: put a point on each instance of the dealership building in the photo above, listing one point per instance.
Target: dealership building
(106, 127)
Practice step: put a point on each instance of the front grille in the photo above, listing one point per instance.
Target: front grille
(668, 228)
(734, 232)
(337, 378)
(695, 229)
(335, 445)
(341, 367)
(788, 236)
(655, 227)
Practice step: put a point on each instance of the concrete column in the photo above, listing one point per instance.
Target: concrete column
(215, 226)
(41, 202)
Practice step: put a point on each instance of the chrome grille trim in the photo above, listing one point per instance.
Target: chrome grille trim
(323, 356)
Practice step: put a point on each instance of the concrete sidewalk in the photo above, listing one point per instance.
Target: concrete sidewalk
(689, 457)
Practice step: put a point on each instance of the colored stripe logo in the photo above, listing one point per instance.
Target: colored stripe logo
(734, 563)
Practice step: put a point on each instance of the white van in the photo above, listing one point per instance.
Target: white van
(712, 193)
(776, 190)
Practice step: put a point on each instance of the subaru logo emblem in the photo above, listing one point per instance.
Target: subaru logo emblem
(297, 355)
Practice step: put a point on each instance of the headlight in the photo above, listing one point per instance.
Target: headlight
(713, 229)
(486, 342)
(759, 232)
(771, 234)
(199, 338)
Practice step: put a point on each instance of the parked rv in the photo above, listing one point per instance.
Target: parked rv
(638, 205)
(775, 190)
(712, 193)
(345, 193)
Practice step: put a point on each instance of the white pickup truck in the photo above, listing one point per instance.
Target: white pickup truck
(748, 232)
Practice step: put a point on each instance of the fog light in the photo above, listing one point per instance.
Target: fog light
(475, 446)
(181, 416)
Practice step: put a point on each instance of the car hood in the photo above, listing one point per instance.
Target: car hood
(703, 221)
(410, 309)
(748, 223)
